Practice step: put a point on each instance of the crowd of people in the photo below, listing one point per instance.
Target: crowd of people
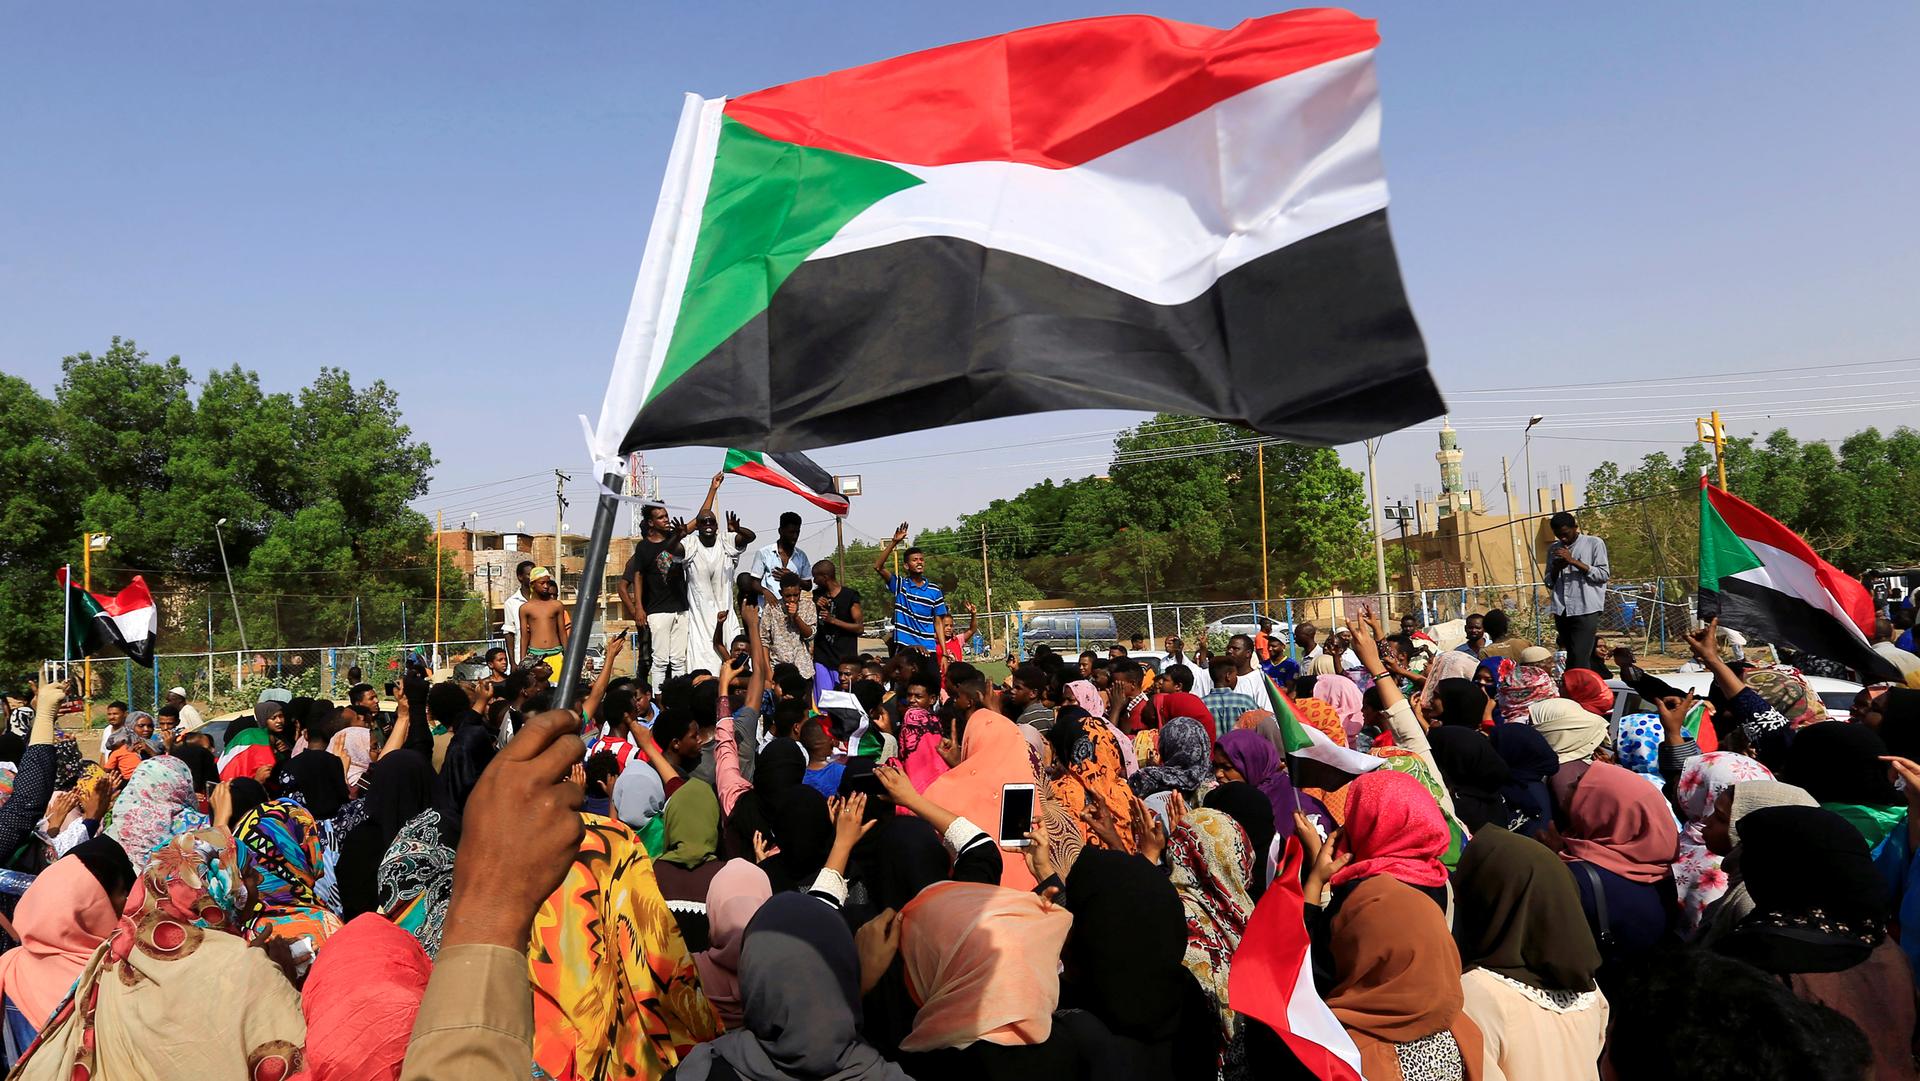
(772, 854)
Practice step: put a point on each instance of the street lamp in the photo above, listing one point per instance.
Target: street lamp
(228, 570)
(1526, 438)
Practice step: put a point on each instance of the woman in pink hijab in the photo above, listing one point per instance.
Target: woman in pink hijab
(734, 895)
(1339, 692)
(920, 736)
(62, 919)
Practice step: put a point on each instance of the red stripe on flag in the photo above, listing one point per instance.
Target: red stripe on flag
(1753, 524)
(1054, 96)
(1268, 966)
(756, 471)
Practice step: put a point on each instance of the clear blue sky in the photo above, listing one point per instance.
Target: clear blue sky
(454, 197)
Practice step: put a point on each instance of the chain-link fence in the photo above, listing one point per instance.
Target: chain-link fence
(1652, 615)
(226, 680)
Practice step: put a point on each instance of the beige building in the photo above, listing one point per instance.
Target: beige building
(1455, 541)
(488, 559)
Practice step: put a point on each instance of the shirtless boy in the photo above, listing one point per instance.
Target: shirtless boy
(544, 621)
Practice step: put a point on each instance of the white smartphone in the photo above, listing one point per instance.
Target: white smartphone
(1016, 814)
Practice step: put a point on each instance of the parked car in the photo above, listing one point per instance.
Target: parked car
(1247, 623)
(1064, 630)
(1835, 694)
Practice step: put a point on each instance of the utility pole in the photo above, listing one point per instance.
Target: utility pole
(986, 580)
(1712, 433)
(840, 543)
(1260, 473)
(87, 543)
(1513, 534)
(1373, 519)
(439, 530)
(559, 527)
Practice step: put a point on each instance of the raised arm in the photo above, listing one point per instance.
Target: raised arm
(713, 490)
(886, 553)
(742, 536)
(598, 691)
(402, 721)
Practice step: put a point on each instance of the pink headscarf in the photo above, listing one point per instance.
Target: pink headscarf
(62, 918)
(1394, 827)
(1087, 698)
(360, 1000)
(920, 736)
(734, 895)
(983, 962)
(1621, 823)
(1339, 692)
(1527, 685)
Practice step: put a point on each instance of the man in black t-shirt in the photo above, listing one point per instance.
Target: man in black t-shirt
(658, 600)
(836, 638)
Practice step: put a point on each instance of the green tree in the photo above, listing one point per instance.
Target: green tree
(315, 488)
(40, 486)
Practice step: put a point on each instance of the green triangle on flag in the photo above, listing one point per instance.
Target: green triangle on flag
(1722, 552)
(770, 204)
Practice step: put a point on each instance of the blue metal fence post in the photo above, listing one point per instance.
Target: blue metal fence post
(403, 626)
(1293, 651)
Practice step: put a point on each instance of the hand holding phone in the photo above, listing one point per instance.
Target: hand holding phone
(1016, 815)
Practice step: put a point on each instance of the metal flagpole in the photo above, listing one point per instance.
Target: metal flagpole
(606, 509)
(66, 624)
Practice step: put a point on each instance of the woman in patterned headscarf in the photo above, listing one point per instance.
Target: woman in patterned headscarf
(416, 880)
(1211, 861)
(615, 992)
(280, 841)
(1698, 873)
(1087, 759)
(178, 957)
(1527, 685)
(1784, 690)
(156, 806)
(1319, 714)
(1186, 760)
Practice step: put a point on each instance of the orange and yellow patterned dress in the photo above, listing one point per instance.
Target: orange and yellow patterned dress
(615, 992)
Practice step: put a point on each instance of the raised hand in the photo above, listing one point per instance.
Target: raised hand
(895, 781)
(521, 832)
(1149, 831)
(849, 820)
(878, 942)
(733, 522)
(900, 534)
(1099, 821)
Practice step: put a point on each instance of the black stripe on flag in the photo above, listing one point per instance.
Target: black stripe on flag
(1314, 342)
(1781, 618)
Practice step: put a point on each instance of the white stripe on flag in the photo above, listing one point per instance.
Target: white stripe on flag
(1166, 216)
(1327, 752)
(1786, 573)
(1311, 1019)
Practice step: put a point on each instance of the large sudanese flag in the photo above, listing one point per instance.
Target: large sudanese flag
(1124, 212)
(1760, 577)
(803, 477)
(126, 619)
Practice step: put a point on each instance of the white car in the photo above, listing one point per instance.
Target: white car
(1247, 623)
(1835, 694)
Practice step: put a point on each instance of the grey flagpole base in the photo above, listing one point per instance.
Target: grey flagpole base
(592, 570)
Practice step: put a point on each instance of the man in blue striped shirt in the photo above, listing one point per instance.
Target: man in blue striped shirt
(919, 607)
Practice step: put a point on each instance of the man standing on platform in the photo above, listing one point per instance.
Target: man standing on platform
(919, 606)
(1577, 572)
(659, 596)
(711, 559)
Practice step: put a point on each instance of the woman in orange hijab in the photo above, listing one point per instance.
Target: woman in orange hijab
(1587, 688)
(993, 755)
(1399, 994)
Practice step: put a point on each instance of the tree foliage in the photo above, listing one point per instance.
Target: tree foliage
(1852, 502)
(315, 487)
(1177, 514)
